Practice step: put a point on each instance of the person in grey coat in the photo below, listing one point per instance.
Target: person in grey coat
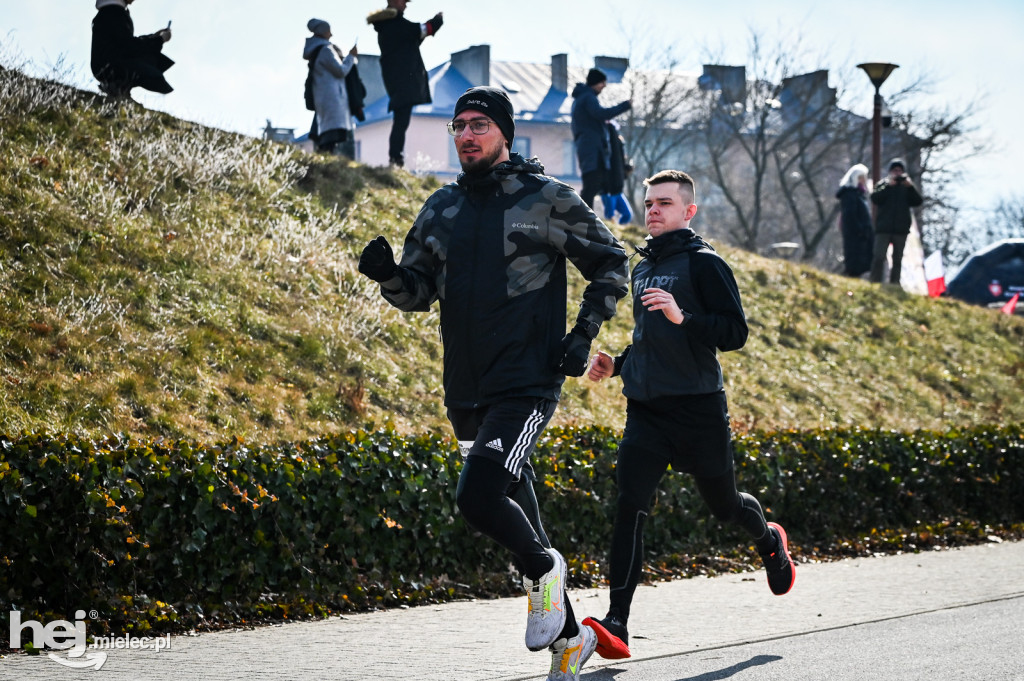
(332, 124)
(590, 134)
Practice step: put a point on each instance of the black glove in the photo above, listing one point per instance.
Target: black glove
(575, 352)
(378, 260)
(435, 23)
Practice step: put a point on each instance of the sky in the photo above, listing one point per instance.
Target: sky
(239, 61)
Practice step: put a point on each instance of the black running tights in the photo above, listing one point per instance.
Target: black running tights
(638, 479)
(487, 496)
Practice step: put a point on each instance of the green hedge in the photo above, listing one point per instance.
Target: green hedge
(157, 536)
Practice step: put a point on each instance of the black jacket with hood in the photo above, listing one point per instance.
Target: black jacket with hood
(492, 248)
(667, 359)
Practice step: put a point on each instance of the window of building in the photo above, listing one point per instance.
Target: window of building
(453, 156)
(521, 145)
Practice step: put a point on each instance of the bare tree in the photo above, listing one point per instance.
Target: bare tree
(656, 129)
(769, 141)
(981, 228)
(937, 140)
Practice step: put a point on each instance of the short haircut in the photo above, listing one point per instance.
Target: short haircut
(677, 176)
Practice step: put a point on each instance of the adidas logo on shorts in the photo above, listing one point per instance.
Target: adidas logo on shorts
(496, 444)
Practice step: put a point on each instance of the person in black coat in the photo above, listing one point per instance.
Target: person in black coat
(894, 196)
(120, 60)
(401, 66)
(855, 221)
(613, 197)
(590, 135)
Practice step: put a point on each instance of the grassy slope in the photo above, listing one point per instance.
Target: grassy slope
(165, 279)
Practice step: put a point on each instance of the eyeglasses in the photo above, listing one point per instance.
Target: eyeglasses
(478, 126)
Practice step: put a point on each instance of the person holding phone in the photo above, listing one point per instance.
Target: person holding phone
(120, 60)
(401, 67)
(332, 129)
(894, 197)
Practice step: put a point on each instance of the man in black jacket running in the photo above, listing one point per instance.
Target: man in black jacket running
(492, 248)
(686, 306)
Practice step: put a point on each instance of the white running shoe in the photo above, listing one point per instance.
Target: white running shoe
(568, 655)
(546, 616)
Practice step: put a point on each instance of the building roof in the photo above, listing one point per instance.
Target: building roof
(530, 86)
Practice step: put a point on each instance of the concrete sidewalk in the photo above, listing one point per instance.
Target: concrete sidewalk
(482, 640)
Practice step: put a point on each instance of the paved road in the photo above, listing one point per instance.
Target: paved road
(954, 614)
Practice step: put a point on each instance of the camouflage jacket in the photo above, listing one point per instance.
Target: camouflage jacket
(492, 250)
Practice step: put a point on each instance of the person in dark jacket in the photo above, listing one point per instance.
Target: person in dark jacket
(855, 221)
(120, 59)
(686, 307)
(401, 67)
(590, 134)
(894, 196)
(492, 247)
(613, 196)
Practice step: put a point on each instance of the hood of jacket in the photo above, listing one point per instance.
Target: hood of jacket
(100, 4)
(312, 43)
(581, 89)
(382, 15)
(513, 166)
(670, 243)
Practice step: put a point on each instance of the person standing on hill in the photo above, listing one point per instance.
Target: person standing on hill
(401, 67)
(332, 124)
(686, 307)
(855, 221)
(590, 134)
(120, 60)
(613, 196)
(894, 196)
(492, 248)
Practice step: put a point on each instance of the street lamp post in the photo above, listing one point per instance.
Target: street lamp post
(877, 72)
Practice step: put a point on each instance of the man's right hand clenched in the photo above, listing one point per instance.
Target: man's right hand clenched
(378, 260)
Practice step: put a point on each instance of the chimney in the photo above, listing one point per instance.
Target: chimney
(731, 80)
(474, 63)
(810, 91)
(560, 72)
(613, 67)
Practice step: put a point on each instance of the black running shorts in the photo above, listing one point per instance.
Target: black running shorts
(690, 432)
(505, 432)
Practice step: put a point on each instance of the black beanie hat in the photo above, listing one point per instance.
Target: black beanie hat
(493, 102)
(595, 76)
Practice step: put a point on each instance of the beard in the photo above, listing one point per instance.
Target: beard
(482, 164)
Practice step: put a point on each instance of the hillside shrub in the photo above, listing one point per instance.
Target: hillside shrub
(167, 535)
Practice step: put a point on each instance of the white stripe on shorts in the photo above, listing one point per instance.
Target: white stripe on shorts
(522, 446)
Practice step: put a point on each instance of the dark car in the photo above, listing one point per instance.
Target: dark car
(991, 276)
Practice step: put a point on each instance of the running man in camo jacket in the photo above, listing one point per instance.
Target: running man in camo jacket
(492, 248)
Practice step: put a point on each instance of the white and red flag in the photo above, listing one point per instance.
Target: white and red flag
(935, 274)
(1011, 304)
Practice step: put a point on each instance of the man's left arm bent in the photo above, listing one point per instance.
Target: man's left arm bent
(722, 323)
(591, 247)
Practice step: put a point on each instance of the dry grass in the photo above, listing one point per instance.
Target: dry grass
(162, 278)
